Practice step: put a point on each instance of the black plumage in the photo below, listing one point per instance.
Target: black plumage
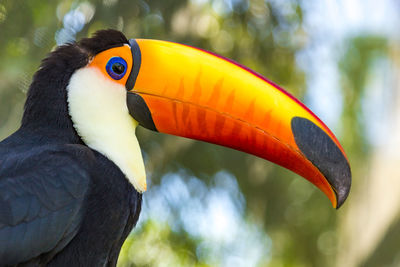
(61, 203)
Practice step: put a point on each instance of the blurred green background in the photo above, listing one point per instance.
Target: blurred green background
(212, 206)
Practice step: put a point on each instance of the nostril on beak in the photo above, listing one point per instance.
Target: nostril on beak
(323, 153)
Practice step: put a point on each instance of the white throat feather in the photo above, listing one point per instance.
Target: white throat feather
(97, 106)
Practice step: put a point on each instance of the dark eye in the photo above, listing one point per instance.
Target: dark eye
(116, 67)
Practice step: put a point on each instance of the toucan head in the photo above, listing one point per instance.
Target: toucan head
(181, 90)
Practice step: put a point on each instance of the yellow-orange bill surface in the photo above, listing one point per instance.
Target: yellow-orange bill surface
(196, 94)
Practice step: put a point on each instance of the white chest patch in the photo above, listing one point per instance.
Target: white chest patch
(97, 106)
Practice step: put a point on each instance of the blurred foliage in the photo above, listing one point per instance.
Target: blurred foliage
(298, 227)
(355, 65)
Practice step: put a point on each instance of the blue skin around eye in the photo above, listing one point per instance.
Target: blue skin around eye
(111, 72)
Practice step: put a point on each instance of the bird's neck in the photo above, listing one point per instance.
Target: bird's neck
(47, 115)
(51, 121)
(46, 108)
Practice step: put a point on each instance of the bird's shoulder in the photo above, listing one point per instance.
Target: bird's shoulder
(42, 192)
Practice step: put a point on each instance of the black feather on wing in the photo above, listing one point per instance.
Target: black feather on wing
(41, 203)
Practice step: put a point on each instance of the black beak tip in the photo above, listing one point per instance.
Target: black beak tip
(343, 190)
(320, 149)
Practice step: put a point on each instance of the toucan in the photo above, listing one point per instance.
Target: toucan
(72, 176)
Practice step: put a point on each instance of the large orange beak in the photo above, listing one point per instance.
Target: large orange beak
(180, 90)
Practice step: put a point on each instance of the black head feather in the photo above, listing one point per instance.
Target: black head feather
(46, 104)
(103, 40)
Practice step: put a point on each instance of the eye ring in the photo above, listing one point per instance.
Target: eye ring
(116, 67)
